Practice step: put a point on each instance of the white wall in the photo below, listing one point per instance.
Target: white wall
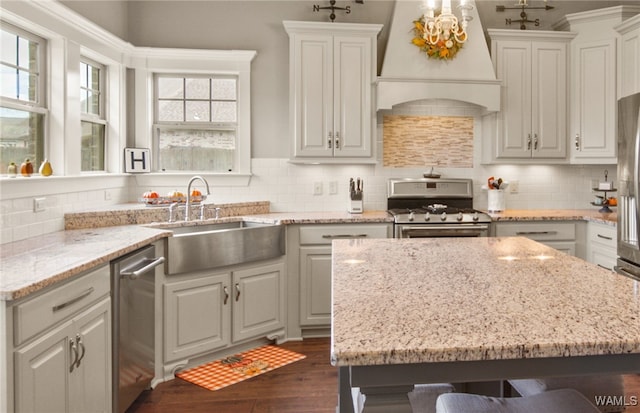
(287, 186)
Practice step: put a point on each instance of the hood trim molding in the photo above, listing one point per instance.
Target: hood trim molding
(485, 93)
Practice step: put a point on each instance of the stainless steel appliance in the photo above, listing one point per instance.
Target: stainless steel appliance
(133, 318)
(628, 186)
(429, 207)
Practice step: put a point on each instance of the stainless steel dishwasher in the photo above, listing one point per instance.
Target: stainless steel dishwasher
(132, 299)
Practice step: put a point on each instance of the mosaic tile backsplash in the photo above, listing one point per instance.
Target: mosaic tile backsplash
(414, 141)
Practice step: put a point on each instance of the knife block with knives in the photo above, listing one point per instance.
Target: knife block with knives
(355, 196)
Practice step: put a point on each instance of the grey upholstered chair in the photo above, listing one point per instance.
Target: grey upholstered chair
(555, 401)
(608, 386)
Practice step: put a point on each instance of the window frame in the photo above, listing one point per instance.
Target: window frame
(41, 92)
(101, 117)
(39, 105)
(159, 125)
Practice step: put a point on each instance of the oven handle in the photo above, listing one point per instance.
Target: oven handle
(448, 227)
(445, 231)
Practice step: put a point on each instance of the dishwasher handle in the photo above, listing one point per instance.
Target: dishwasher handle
(145, 265)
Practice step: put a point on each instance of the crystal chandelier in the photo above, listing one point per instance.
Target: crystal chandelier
(446, 23)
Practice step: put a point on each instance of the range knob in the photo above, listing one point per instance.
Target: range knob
(459, 217)
(443, 216)
(427, 216)
(411, 215)
(475, 216)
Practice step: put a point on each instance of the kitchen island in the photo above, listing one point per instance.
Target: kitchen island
(473, 309)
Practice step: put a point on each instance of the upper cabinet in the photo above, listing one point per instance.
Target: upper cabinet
(594, 70)
(532, 66)
(629, 46)
(332, 69)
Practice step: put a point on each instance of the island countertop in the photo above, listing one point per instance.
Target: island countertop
(399, 301)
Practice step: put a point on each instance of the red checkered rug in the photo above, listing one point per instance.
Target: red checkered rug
(234, 369)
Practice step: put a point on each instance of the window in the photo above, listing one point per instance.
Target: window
(92, 147)
(22, 99)
(196, 123)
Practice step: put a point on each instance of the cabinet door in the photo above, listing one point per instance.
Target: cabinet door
(313, 95)
(42, 371)
(90, 381)
(196, 316)
(594, 101)
(630, 62)
(315, 285)
(352, 97)
(549, 100)
(258, 301)
(514, 121)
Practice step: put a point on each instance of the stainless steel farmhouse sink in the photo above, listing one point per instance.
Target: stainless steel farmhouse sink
(198, 247)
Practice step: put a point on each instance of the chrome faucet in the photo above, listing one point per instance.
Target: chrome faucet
(187, 209)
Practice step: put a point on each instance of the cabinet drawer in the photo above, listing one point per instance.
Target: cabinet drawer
(605, 235)
(324, 234)
(539, 231)
(46, 310)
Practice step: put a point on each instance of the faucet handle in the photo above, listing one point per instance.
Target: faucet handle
(201, 212)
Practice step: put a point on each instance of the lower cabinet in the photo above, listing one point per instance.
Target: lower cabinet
(210, 310)
(68, 369)
(314, 265)
(602, 245)
(62, 354)
(560, 235)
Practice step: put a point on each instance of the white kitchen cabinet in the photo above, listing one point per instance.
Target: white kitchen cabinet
(629, 56)
(332, 69)
(259, 301)
(211, 310)
(560, 235)
(532, 66)
(593, 84)
(602, 245)
(64, 366)
(314, 265)
(196, 315)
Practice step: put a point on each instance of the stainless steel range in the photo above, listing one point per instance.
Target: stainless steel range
(429, 207)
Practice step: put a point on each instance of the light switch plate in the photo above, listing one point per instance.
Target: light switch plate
(38, 204)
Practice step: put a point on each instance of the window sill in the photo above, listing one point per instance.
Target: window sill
(37, 185)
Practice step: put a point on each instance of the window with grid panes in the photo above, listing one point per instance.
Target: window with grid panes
(22, 97)
(196, 123)
(93, 130)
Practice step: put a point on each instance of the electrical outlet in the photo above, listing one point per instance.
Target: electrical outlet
(514, 187)
(38, 204)
(317, 188)
(333, 187)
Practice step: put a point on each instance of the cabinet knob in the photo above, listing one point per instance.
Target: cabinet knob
(577, 142)
(529, 142)
(226, 294)
(237, 291)
(535, 141)
(337, 140)
(330, 140)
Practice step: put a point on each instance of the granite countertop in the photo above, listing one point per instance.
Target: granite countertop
(555, 215)
(492, 298)
(36, 263)
(95, 237)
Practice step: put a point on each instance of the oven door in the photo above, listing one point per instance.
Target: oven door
(444, 230)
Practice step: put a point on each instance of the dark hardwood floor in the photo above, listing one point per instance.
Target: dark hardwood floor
(306, 386)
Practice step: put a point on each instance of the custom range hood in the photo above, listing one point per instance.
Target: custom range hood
(408, 74)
